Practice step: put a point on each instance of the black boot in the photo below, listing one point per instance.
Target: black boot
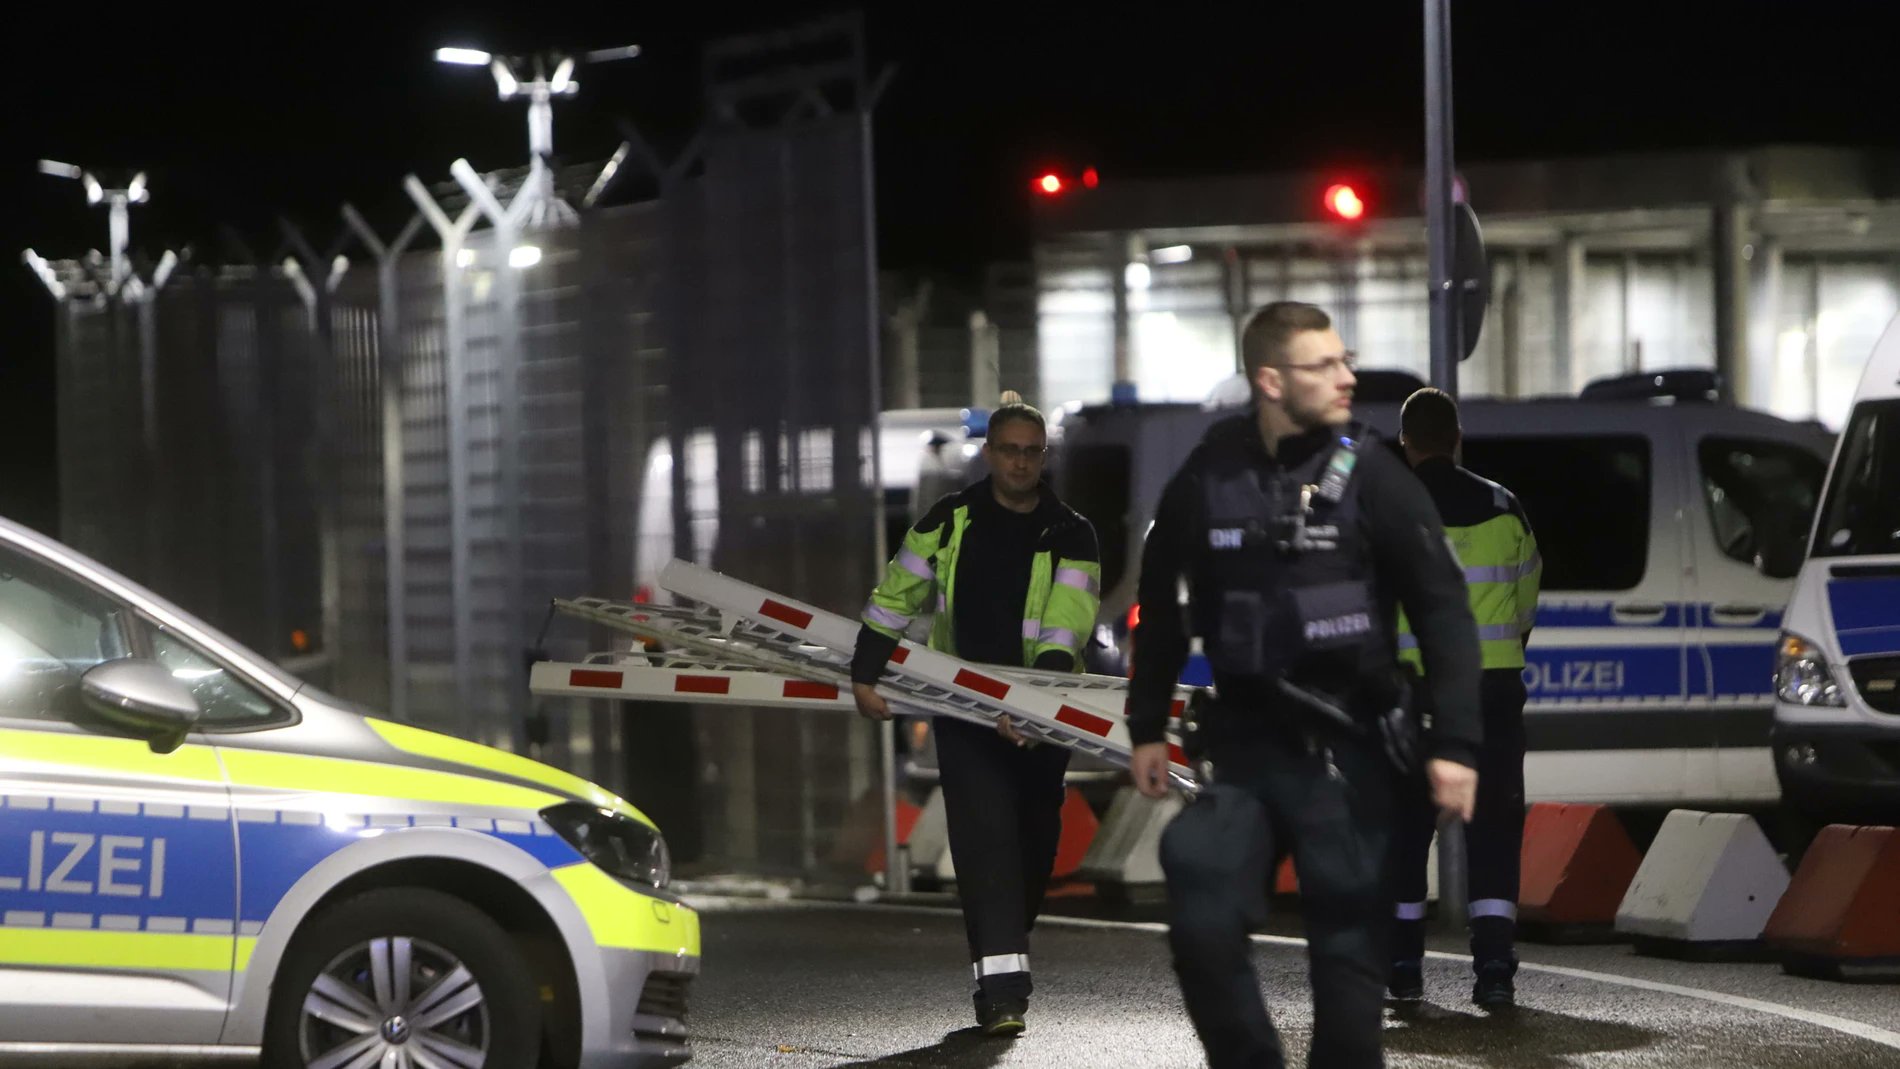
(1002, 1017)
(1406, 981)
(1494, 988)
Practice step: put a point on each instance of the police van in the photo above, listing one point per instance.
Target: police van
(1837, 671)
(201, 854)
(1671, 528)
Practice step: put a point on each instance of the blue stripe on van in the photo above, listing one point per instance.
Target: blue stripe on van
(1704, 616)
(1602, 614)
(1871, 641)
(1675, 614)
(1866, 614)
(1863, 604)
(1741, 671)
(1617, 671)
(1585, 672)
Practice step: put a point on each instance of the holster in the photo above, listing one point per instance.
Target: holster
(1399, 731)
(1393, 725)
(1194, 734)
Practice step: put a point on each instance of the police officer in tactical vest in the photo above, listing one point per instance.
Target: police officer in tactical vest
(1493, 539)
(1298, 540)
(1014, 578)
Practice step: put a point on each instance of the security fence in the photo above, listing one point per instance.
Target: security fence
(378, 462)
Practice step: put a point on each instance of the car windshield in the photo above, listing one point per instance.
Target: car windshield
(1861, 515)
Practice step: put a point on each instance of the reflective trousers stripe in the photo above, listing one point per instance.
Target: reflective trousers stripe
(1409, 911)
(1492, 907)
(997, 964)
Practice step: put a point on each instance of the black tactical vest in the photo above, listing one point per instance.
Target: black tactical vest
(1282, 587)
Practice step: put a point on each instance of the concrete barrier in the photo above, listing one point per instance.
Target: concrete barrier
(1577, 864)
(1705, 889)
(1124, 858)
(1841, 913)
(929, 840)
(1079, 829)
(861, 836)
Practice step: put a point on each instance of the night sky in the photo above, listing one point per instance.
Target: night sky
(293, 109)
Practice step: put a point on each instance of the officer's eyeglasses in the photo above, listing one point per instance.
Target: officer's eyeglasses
(1018, 452)
(1330, 366)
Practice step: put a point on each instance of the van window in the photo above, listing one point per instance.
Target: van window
(1862, 511)
(1094, 482)
(1588, 502)
(1759, 493)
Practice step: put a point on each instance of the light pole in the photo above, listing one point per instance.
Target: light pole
(536, 205)
(1446, 349)
(552, 75)
(118, 203)
(1438, 192)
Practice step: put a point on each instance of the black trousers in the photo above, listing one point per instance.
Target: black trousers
(1003, 805)
(1328, 803)
(1493, 840)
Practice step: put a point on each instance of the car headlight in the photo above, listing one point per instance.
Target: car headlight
(1802, 675)
(624, 847)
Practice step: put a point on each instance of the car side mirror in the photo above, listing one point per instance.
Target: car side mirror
(142, 697)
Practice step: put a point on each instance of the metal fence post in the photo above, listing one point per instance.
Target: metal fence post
(453, 234)
(389, 382)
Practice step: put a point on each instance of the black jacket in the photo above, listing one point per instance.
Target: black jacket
(1412, 562)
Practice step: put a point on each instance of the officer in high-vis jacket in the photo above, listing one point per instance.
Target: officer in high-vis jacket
(1298, 539)
(1493, 539)
(1014, 578)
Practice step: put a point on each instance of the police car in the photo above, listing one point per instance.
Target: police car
(1837, 677)
(1670, 526)
(201, 854)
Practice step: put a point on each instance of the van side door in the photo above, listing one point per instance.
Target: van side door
(1604, 670)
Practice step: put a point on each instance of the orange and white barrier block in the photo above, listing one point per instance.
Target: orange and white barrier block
(1577, 864)
(1841, 913)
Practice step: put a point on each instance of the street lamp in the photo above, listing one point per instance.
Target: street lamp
(540, 77)
(118, 203)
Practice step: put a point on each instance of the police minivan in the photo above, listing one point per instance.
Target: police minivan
(200, 853)
(1671, 528)
(1837, 672)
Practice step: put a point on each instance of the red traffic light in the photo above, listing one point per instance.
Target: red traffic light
(1342, 200)
(1049, 184)
(1090, 178)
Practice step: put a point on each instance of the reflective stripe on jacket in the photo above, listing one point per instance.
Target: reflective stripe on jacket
(1065, 581)
(1492, 537)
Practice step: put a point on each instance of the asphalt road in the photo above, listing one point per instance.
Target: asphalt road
(806, 985)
